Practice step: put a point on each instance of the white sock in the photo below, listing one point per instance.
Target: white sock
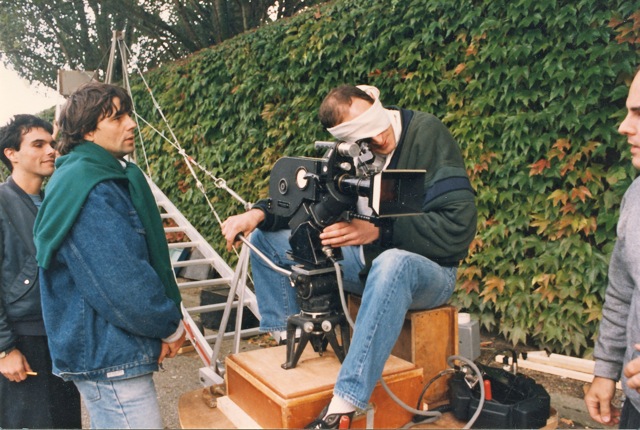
(279, 336)
(339, 406)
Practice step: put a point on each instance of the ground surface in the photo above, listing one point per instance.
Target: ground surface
(180, 376)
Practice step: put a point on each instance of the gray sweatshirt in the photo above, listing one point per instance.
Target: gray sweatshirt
(620, 326)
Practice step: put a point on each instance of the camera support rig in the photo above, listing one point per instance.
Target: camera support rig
(314, 193)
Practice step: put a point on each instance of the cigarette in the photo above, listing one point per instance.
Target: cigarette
(32, 373)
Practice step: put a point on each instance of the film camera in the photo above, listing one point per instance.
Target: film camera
(314, 193)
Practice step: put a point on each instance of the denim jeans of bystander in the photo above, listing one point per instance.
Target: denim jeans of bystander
(123, 404)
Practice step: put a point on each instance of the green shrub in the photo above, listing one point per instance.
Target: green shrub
(533, 92)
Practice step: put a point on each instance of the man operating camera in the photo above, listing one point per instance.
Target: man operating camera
(408, 263)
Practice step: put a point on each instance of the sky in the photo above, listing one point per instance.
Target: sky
(19, 96)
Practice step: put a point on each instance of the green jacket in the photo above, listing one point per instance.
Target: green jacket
(447, 227)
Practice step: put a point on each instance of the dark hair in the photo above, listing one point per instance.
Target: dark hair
(11, 134)
(85, 108)
(336, 104)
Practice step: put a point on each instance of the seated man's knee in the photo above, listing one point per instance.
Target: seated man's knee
(390, 259)
(273, 244)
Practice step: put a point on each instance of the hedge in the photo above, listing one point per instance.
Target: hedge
(532, 91)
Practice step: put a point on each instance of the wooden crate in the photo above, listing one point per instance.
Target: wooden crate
(195, 414)
(278, 398)
(427, 339)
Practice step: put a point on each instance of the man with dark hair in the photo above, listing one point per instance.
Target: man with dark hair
(618, 346)
(31, 396)
(110, 299)
(409, 263)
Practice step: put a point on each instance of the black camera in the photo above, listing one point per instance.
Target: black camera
(317, 192)
(314, 193)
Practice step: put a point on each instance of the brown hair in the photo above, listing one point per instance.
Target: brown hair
(336, 103)
(85, 108)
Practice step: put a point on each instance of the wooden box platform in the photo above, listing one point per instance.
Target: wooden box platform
(427, 339)
(195, 414)
(277, 398)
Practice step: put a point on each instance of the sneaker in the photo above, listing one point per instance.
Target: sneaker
(333, 421)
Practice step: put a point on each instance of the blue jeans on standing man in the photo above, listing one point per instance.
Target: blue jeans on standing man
(397, 282)
(122, 404)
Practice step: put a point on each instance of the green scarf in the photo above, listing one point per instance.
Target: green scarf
(75, 176)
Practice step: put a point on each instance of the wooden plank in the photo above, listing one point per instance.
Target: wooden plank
(562, 361)
(553, 370)
(194, 414)
(434, 337)
(236, 415)
(313, 372)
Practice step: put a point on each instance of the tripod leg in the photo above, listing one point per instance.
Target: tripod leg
(293, 352)
(345, 335)
(333, 340)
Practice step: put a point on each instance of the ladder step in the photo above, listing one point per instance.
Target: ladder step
(214, 307)
(188, 263)
(205, 283)
(248, 332)
(183, 245)
(175, 229)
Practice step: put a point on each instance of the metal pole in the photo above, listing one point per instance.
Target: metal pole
(112, 56)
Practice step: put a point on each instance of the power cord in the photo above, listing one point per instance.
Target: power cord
(430, 416)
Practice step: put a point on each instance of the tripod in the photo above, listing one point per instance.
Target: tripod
(320, 314)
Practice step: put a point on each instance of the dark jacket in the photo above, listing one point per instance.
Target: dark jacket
(20, 309)
(445, 230)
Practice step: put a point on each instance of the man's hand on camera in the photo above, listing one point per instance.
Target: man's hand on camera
(356, 232)
(244, 223)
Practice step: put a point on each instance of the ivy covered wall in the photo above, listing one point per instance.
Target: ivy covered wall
(533, 92)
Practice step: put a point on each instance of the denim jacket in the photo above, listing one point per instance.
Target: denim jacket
(20, 312)
(105, 309)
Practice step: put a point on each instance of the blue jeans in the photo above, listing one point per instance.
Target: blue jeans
(398, 281)
(123, 404)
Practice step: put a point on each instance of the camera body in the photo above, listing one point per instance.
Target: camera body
(317, 192)
(313, 193)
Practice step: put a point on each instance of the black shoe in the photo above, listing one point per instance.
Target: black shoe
(333, 421)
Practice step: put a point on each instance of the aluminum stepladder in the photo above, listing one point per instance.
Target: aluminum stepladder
(239, 295)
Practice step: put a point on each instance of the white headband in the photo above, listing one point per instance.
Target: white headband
(370, 123)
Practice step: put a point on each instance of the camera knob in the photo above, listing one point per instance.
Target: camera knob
(326, 326)
(308, 327)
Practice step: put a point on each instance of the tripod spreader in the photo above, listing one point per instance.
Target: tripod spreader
(320, 315)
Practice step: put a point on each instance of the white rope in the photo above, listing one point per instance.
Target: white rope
(189, 161)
